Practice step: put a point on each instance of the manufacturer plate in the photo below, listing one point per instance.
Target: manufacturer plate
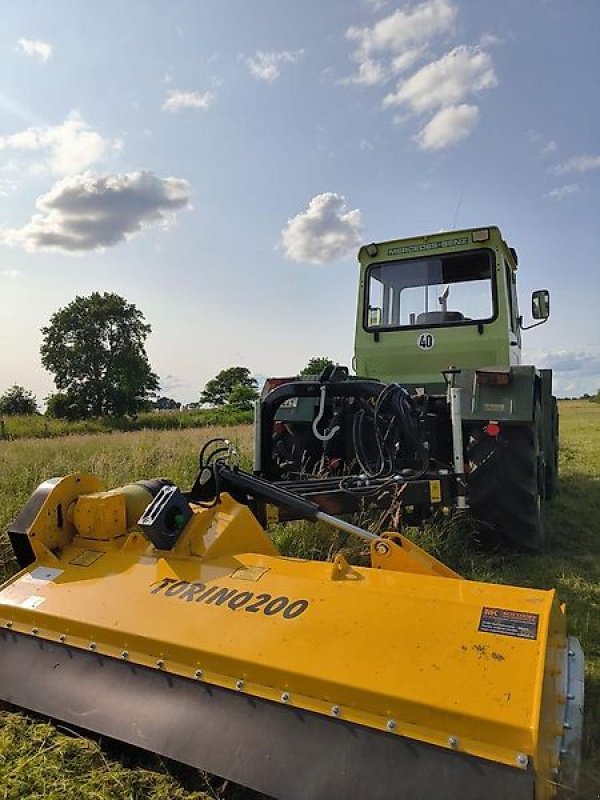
(504, 622)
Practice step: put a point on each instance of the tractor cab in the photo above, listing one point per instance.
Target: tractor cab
(432, 302)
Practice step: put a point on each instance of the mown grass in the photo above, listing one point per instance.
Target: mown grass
(38, 760)
(37, 426)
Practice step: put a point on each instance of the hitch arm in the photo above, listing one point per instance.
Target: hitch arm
(219, 477)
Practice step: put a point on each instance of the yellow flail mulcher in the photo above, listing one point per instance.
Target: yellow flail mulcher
(169, 620)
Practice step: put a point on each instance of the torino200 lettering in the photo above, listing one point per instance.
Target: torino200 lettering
(233, 599)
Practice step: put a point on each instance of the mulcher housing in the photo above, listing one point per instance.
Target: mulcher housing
(296, 678)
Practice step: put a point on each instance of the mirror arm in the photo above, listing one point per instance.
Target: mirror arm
(535, 324)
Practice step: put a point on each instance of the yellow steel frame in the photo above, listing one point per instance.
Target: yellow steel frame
(398, 646)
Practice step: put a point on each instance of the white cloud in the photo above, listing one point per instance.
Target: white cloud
(575, 372)
(376, 5)
(578, 164)
(266, 66)
(448, 126)
(405, 27)
(324, 232)
(394, 43)
(371, 71)
(35, 48)
(489, 40)
(71, 146)
(89, 212)
(560, 192)
(177, 99)
(545, 147)
(10, 274)
(463, 71)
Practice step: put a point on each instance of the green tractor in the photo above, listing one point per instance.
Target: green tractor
(441, 414)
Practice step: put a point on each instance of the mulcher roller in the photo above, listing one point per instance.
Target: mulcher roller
(175, 625)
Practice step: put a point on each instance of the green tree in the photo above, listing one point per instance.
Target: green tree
(18, 400)
(95, 348)
(166, 404)
(242, 397)
(218, 390)
(316, 365)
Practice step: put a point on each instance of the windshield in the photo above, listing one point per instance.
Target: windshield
(446, 290)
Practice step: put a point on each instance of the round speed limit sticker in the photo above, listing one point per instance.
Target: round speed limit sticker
(426, 341)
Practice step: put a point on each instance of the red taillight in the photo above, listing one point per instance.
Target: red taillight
(492, 428)
(273, 383)
(493, 377)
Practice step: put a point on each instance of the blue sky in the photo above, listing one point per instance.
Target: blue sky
(218, 162)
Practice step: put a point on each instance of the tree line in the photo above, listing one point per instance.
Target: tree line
(95, 349)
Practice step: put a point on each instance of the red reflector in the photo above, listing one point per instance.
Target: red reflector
(273, 383)
(493, 377)
(492, 428)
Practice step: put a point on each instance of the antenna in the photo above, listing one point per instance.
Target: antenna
(458, 205)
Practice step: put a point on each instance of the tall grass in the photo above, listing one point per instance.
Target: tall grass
(36, 426)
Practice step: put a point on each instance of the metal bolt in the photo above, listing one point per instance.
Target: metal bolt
(9, 624)
(571, 654)
(285, 696)
(570, 696)
(335, 710)
(453, 742)
(160, 664)
(92, 645)
(125, 654)
(198, 674)
(35, 631)
(239, 685)
(522, 760)
(391, 725)
(62, 638)
(567, 726)
(563, 751)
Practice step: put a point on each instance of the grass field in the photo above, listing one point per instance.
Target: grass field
(37, 760)
(38, 426)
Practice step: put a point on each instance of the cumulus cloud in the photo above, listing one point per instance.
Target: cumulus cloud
(35, 48)
(405, 27)
(267, 66)
(394, 43)
(90, 212)
(560, 192)
(324, 232)
(177, 100)
(448, 126)
(578, 164)
(464, 70)
(70, 147)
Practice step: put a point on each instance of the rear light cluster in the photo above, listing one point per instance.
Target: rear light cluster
(489, 377)
(273, 383)
(492, 428)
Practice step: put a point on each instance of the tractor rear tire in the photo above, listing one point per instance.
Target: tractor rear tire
(506, 483)
(552, 479)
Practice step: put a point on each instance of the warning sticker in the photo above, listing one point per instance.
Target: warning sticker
(86, 558)
(504, 622)
(34, 601)
(45, 573)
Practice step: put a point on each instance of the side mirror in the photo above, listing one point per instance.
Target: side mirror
(540, 304)
(374, 317)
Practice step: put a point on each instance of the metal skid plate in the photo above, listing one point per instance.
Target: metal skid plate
(276, 749)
